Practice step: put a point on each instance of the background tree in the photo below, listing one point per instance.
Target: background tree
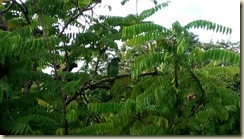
(167, 82)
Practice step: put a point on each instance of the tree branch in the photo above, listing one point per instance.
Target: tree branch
(95, 84)
(24, 10)
(6, 9)
(3, 24)
(200, 100)
(72, 18)
(54, 63)
(202, 94)
(101, 52)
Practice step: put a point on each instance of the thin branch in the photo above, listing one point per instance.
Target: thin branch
(3, 24)
(76, 4)
(202, 93)
(54, 63)
(200, 100)
(102, 24)
(176, 82)
(48, 44)
(101, 86)
(6, 9)
(96, 66)
(72, 18)
(101, 52)
(24, 10)
(95, 84)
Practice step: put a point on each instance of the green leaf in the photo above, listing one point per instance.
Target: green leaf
(71, 115)
(147, 13)
(70, 87)
(44, 104)
(209, 25)
(104, 107)
(222, 55)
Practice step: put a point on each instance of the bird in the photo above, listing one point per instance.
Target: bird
(113, 67)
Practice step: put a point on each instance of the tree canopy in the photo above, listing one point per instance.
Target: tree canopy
(159, 81)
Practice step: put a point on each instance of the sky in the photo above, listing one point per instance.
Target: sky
(224, 12)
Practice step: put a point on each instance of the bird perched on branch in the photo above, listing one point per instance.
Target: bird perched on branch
(113, 67)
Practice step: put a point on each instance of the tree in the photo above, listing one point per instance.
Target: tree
(167, 84)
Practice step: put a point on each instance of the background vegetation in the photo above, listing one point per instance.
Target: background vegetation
(160, 81)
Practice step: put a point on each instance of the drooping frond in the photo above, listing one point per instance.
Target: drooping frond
(118, 20)
(44, 103)
(130, 105)
(25, 32)
(123, 118)
(142, 39)
(72, 105)
(117, 123)
(40, 43)
(152, 130)
(10, 44)
(215, 54)
(147, 13)
(71, 87)
(4, 34)
(196, 54)
(71, 115)
(156, 92)
(30, 75)
(22, 125)
(104, 107)
(85, 38)
(156, 125)
(156, 120)
(39, 119)
(224, 72)
(140, 88)
(222, 76)
(97, 129)
(139, 29)
(182, 37)
(219, 93)
(182, 42)
(18, 128)
(222, 55)
(146, 62)
(204, 24)
(54, 8)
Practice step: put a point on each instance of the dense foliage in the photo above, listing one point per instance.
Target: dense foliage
(160, 81)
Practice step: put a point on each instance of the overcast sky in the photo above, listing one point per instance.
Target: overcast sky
(224, 12)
